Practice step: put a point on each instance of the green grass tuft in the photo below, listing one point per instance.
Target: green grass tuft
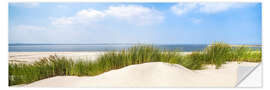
(217, 54)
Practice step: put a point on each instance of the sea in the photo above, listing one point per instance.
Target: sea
(98, 47)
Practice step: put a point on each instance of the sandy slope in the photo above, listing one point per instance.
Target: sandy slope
(154, 74)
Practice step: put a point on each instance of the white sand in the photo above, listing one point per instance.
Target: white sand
(29, 57)
(154, 74)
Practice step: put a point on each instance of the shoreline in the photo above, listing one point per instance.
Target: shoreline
(30, 57)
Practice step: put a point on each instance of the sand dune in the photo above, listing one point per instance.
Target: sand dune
(154, 74)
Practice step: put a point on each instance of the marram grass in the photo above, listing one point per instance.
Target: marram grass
(217, 54)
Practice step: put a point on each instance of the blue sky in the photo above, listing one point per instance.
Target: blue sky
(160, 23)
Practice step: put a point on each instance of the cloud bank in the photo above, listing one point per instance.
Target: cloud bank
(133, 14)
(206, 8)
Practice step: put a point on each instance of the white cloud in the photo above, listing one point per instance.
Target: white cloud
(29, 27)
(218, 7)
(209, 8)
(89, 15)
(182, 8)
(62, 20)
(83, 16)
(138, 15)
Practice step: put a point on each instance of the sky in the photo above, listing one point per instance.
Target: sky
(156, 23)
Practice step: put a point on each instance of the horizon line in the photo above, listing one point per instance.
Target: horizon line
(113, 43)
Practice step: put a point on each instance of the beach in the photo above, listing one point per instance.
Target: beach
(130, 44)
(152, 74)
(30, 57)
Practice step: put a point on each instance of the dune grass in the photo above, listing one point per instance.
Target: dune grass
(217, 54)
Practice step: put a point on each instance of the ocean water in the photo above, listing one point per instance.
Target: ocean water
(91, 47)
(95, 47)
